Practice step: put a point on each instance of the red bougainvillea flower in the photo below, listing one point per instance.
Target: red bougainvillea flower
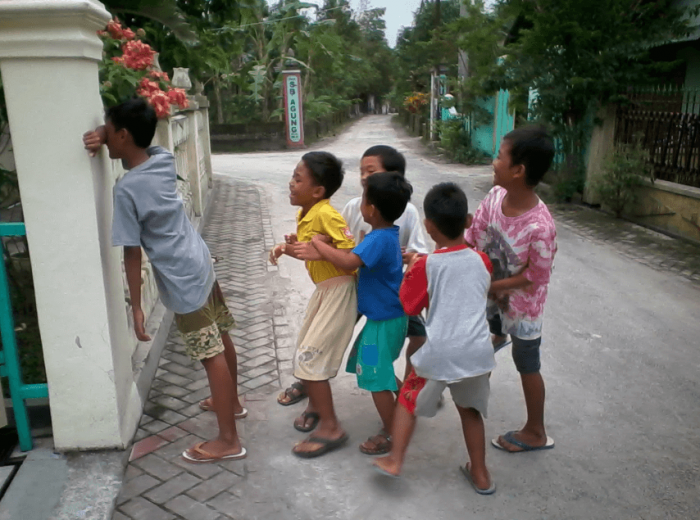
(115, 29)
(177, 96)
(158, 75)
(128, 34)
(147, 87)
(137, 55)
(118, 59)
(159, 101)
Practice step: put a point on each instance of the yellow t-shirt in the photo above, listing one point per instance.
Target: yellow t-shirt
(323, 219)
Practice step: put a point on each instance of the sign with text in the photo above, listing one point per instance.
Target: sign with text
(293, 109)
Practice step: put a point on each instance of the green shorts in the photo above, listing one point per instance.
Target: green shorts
(375, 350)
(201, 330)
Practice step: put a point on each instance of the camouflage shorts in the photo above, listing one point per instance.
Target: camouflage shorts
(202, 329)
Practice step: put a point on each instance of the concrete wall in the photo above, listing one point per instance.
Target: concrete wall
(97, 372)
(669, 207)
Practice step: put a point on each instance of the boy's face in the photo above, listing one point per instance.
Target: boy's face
(504, 171)
(303, 191)
(115, 140)
(369, 166)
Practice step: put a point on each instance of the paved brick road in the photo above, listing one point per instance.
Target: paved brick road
(158, 484)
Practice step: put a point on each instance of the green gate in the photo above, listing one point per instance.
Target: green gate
(9, 357)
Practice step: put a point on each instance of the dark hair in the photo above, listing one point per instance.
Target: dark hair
(532, 147)
(446, 206)
(389, 192)
(392, 159)
(139, 119)
(326, 169)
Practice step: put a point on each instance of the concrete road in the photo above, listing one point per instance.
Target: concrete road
(620, 354)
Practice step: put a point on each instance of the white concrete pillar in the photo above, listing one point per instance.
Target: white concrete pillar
(193, 160)
(49, 53)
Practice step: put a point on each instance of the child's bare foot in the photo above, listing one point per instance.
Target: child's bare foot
(214, 450)
(387, 466)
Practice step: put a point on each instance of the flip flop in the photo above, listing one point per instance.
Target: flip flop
(382, 444)
(315, 418)
(467, 474)
(384, 472)
(240, 415)
(208, 457)
(288, 393)
(508, 437)
(498, 346)
(327, 445)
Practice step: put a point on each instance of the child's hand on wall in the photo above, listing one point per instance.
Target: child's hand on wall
(94, 140)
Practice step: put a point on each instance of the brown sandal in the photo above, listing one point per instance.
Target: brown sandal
(294, 393)
(381, 444)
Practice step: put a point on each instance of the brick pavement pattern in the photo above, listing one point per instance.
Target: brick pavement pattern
(158, 484)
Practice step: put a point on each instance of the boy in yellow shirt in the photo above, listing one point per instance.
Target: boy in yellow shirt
(332, 310)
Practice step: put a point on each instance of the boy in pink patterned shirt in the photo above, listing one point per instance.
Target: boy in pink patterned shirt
(515, 229)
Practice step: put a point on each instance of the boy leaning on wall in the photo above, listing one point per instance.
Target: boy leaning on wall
(149, 214)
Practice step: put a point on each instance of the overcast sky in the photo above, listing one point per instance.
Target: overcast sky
(398, 13)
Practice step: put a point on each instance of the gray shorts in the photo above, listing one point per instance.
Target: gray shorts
(472, 392)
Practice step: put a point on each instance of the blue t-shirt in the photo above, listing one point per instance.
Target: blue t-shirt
(381, 275)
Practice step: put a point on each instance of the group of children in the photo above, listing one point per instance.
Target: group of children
(486, 282)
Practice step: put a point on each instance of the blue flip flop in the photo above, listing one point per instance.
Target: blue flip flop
(502, 344)
(508, 437)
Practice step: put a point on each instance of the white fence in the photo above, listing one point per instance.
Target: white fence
(98, 374)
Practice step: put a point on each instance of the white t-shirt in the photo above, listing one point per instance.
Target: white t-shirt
(412, 235)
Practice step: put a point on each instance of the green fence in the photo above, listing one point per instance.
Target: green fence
(9, 357)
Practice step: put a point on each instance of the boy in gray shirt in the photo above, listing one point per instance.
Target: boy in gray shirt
(149, 214)
(453, 284)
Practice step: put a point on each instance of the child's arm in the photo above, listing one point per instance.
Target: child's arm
(94, 140)
(538, 268)
(343, 259)
(132, 266)
(414, 288)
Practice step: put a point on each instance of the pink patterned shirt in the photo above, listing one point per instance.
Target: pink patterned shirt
(525, 244)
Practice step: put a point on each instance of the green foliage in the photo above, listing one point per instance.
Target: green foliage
(622, 175)
(427, 44)
(456, 142)
(580, 56)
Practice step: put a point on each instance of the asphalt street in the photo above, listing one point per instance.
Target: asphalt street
(620, 359)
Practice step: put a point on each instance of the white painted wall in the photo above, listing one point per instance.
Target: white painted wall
(49, 54)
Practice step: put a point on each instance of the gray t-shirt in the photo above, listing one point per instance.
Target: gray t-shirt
(148, 212)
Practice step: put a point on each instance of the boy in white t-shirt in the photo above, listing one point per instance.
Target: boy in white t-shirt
(458, 353)
(412, 236)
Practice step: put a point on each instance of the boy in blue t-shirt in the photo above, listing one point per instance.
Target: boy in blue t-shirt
(379, 260)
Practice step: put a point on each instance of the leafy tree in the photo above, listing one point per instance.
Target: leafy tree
(427, 44)
(580, 56)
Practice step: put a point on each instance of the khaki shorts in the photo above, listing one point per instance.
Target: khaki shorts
(421, 396)
(327, 329)
(202, 329)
